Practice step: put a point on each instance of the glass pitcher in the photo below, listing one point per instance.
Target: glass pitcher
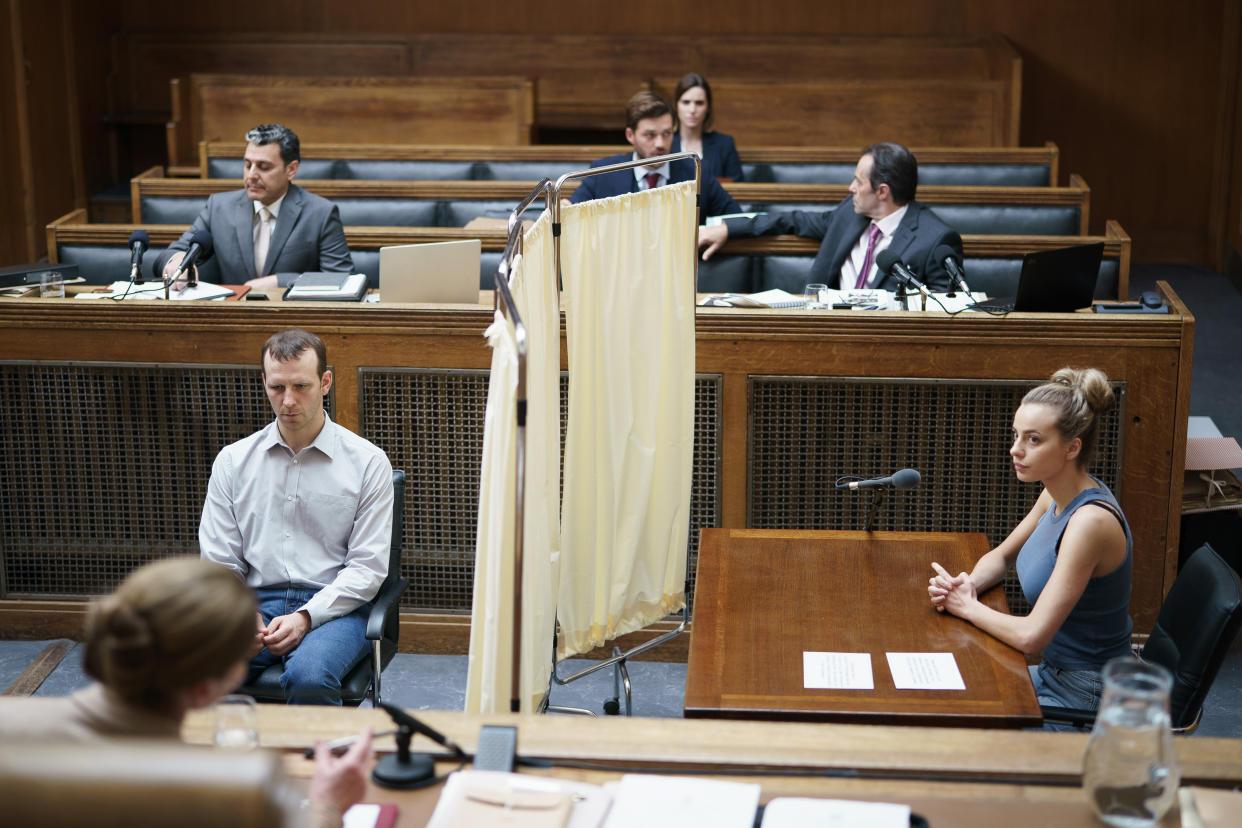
(1130, 771)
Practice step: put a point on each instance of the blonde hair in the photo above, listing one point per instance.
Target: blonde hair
(1080, 396)
(168, 626)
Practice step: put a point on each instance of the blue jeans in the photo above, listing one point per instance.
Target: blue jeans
(313, 671)
(1058, 687)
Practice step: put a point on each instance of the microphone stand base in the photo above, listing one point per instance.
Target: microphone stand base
(415, 772)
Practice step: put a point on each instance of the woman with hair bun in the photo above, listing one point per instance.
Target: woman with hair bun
(1072, 551)
(176, 636)
(693, 99)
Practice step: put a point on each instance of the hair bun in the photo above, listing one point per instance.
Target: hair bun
(122, 652)
(1092, 383)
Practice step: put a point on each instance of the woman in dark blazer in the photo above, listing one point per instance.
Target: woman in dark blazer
(693, 100)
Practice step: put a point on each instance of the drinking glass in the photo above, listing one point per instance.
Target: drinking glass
(1130, 770)
(236, 723)
(52, 285)
(816, 295)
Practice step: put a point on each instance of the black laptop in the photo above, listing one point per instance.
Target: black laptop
(1053, 281)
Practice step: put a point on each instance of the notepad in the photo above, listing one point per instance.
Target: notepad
(350, 289)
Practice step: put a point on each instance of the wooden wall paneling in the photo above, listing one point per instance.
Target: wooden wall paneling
(1227, 187)
(17, 242)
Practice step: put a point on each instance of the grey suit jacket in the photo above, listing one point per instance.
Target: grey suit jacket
(918, 235)
(307, 237)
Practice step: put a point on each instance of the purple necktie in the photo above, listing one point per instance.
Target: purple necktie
(872, 239)
(653, 180)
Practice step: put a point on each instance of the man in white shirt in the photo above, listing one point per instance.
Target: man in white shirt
(880, 214)
(302, 510)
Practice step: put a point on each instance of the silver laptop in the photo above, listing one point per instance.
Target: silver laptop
(434, 272)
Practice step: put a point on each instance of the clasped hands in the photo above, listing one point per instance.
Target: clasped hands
(950, 592)
(283, 633)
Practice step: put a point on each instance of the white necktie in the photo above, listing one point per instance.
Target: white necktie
(261, 241)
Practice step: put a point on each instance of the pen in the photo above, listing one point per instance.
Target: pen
(339, 746)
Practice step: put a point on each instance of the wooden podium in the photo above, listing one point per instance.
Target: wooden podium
(763, 597)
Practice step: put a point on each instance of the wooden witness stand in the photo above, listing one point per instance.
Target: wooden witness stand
(766, 596)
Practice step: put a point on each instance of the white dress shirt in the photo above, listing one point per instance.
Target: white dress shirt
(641, 173)
(854, 262)
(321, 518)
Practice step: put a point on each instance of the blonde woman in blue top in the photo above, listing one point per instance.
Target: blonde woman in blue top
(693, 100)
(1072, 552)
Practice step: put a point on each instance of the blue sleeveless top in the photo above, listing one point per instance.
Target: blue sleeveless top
(1098, 627)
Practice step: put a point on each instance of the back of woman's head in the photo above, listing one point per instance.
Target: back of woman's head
(168, 626)
(1080, 396)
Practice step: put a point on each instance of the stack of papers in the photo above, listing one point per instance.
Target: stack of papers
(331, 287)
(155, 290)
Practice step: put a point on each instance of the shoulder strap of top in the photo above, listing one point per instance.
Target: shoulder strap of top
(1103, 504)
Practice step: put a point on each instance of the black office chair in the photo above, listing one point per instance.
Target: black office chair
(1198, 622)
(383, 626)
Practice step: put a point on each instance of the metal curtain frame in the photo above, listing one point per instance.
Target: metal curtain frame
(618, 658)
(503, 302)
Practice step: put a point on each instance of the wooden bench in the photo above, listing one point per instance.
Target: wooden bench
(1011, 210)
(459, 110)
(980, 166)
(583, 80)
(992, 262)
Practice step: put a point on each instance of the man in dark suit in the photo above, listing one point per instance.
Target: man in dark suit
(880, 214)
(293, 231)
(649, 127)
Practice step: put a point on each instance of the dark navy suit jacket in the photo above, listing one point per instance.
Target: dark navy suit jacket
(719, 156)
(714, 200)
(918, 235)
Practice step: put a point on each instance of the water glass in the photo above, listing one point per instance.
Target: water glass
(236, 723)
(816, 295)
(51, 285)
(1130, 770)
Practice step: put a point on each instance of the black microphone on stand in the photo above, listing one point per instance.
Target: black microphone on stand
(904, 479)
(139, 243)
(890, 262)
(200, 251)
(948, 255)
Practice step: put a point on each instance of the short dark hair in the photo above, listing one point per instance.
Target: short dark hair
(290, 148)
(647, 105)
(290, 344)
(894, 165)
(689, 81)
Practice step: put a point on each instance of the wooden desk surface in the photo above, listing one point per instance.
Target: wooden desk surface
(960, 777)
(766, 596)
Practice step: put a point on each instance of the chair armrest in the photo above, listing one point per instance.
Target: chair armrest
(1069, 715)
(388, 596)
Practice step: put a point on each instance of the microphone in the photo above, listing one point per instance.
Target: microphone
(200, 250)
(948, 255)
(890, 262)
(139, 242)
(405, 720)
(904, 479)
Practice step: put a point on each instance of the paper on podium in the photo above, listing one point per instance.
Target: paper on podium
(469, 795)
(837, 671)
(155, 290)
(925, 671)
(678, 801)
(796, 812)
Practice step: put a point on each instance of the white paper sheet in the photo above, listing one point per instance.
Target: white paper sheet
(798, 812)
(837, 671)
(925, 671)
(678, 801)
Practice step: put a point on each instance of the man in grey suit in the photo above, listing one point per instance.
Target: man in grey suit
(290, 230)
(880, 214)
